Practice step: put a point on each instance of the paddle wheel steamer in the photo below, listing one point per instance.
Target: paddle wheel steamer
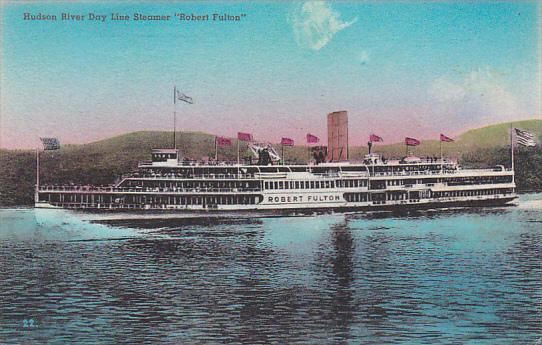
(169, 182)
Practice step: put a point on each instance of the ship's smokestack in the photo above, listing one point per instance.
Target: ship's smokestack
(337, 136)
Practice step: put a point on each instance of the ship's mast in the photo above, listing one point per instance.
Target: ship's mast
(512, 152)
(36, 194)
(174, 116)
(441, 159)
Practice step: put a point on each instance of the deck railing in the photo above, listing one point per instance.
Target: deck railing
(85, 189)
(192, 177)
(256, 176)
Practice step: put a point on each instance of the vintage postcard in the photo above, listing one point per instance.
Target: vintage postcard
(270, 172)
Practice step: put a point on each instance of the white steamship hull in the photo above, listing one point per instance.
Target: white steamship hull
(393, 185)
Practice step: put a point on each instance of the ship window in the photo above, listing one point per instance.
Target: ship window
(281, 185)
(296, 184)
(312, 184)
(276, 185)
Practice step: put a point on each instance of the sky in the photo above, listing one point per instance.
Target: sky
(400, 69)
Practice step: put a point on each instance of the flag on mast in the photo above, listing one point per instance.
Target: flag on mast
(412, 141)
(244, 136)
(375, 138)
(524, 138)
(50, 143)
(312, 139)
(223, 142)
(287, 142)
(179, 96)
(445, 138)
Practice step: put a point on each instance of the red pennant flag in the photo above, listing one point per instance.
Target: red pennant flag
(244, 136)
(287, 142)
(223, 142)
(412, 141)
(375, 138)
(312, 139)
(445, 138)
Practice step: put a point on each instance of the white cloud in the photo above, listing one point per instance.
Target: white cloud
(315, 23)
(478, 95)
(443, 90)
(364, 57)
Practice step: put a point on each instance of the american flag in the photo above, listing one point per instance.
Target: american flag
(50, 143)
(524, 138)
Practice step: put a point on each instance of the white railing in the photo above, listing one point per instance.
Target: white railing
(142, 190)
(438, 172)
(191, 177)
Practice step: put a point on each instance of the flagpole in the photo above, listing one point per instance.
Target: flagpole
(238, 159)
(441, 162)
(512, 152)
(216, 150)
(36, 195)
(174, 115)
(282, 147)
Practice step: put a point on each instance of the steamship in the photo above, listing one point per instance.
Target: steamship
(264, 183)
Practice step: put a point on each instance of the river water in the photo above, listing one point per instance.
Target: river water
(434, 277)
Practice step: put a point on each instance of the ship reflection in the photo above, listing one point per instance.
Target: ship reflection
(275, 279)
(342, 263)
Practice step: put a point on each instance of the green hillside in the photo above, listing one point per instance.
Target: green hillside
(103, 161)
(497, 135)
(472, 140)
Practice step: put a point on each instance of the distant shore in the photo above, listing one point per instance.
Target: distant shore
(103, 162)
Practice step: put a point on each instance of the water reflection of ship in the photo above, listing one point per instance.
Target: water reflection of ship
(358, 260)
(342, 261)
